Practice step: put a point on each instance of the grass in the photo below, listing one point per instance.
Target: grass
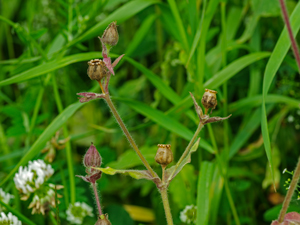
(240, 49)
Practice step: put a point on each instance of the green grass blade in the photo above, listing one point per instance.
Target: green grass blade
(140, 34)
(246, 132)
(282, 46)
(203, 192)
(255, 101)
(163, 120)
(233, 68)
(182, 31)
(49, 67)
(39, 144)
(121, 14)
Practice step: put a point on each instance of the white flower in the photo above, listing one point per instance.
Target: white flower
(189, 214)
(77, 211)
(4, 197)
(290, 119)
(9, 219)
(30, 178)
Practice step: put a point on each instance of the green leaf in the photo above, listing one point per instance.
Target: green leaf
(140, 34)
(49, 67)
(179, 24)
(204, 192)
(136, 174)
(233, 68)
(120, 15)
(282, 46)
(39, 144)
(174, 170)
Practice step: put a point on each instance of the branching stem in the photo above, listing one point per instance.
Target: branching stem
(164, 196)
(127, 134)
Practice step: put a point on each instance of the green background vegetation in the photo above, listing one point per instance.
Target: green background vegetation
(238, 48)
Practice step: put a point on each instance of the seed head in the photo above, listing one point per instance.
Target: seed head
(209, 100)
(164, 155)
(97, 69)
(103, 220)
(110, 36)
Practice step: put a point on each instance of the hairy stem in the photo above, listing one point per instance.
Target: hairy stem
(186, 151)
(290, 193)
(127, 134)
(164, 196)
(288, 25)
(97, 198)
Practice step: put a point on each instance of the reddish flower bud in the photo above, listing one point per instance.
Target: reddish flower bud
(92, 157)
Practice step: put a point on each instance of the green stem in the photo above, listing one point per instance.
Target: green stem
(53, 220)
(164, 196)
(231, 203)
(68, 145)
(127, 134)
(290, 193)
(187, 150)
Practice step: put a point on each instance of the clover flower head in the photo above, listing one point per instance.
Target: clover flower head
(77, 211)
(4, 197)
(189, 214)
(30, 178)
(44, 198)
(9, 219)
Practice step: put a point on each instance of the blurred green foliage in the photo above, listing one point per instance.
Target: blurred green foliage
(172, 48)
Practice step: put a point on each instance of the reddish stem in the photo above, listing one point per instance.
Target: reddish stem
(97, 198)
(288, 25)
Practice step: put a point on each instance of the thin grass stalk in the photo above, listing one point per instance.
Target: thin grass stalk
(68, 145)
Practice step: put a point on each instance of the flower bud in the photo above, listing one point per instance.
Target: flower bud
(92, 157)
(103, 220)
(164, 155)
(97, 69)
(209, 100)
(110, 36)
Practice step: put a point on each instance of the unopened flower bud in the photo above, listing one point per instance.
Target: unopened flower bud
(164, 155)
(92, 157)
(209, 100)
(103, 220)
(97, 69)
(110, 36)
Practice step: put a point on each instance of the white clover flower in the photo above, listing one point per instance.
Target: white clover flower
(77, 211)
(189, 214)
(9, 219)
(31, 178)
(290, 119)
(4, 197)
